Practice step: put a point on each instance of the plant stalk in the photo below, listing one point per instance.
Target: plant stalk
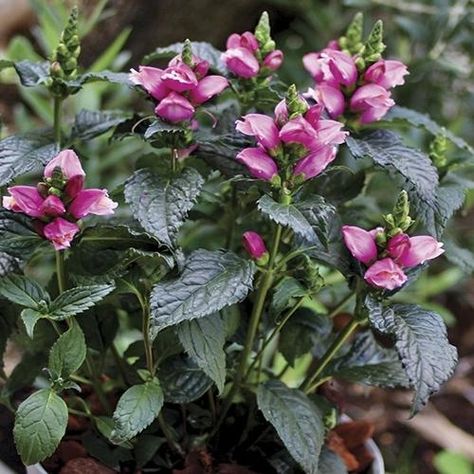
(57, 119)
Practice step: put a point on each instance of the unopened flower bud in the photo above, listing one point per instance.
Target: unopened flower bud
(187, 53)
(374, 45)
(262, 33)
(255, 246)
(295, 104)
(438, 149)
(54, 192)
(352, 41)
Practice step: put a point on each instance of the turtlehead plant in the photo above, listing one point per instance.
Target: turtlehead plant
(258, 251)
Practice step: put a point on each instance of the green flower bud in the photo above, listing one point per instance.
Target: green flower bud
(187, 53)
(54, 192)
(313, 278)
(352, 41)
(374, 45)
(438, 149)
(294, 103)
(262, 33)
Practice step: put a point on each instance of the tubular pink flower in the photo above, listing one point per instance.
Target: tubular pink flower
(397, 246)
(331, 66)
(25, 199)
(254, 244)
(281, 113)
(150, 79)
(241, 62)
(360, 243)
(299, 130)
(259, 164)
(273, 60)
(421, 249)
(330, 97)
(315, 163)
(386, 73)
(261, 127)
(60, 232)
(9, 203)
(385, 274)
(207, 88)
(330, 132)
(52, 206)
(175, 108)
(373, 101)
(179, 78)
(68, 162)
(92, 201)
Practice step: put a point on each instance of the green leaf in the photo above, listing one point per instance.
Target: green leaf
(18, 237)
(165, 135)
(422, 345)
(40, 424)
(23, 291)
(200, 49)
(8, 264)
(161, 205)
(7, 324)
(203, 340)
(137, 408)
(418, 119)
(296, 420)
(182, 380)
(25, 153)
(76, 300)
(370, 364)
(89, 124)
(330, 463)
(461, 257)
(285, 293)
(30, 317)
(209, 282)
(32, 73)
(68, 353)
(287, 215)
(100, 325)
(414, 168)
(448, 462)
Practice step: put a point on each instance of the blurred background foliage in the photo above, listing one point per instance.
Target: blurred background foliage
(434, 38)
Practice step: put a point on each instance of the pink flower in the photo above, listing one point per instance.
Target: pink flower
(150, 79)
(281, 113)
(69, 164)
(361, 243)
(330, 133)
(385, 274)
(254, 244)
(397, 246)
(245, 40)
(60, 232)
(420, 249)
(315, 163)
(259, 164)
(199, 66)
(241, 62)
(273, 60)
(207, 88)
(386, 73)
(373, 101)
(331, 66)
(261, 127)
(92, 201)
(330, 97)
(52, 206)
(299, 130)
(24, 199)
(179, 78)
(175, 108)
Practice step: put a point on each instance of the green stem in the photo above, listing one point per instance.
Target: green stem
(274, 333)
(60, 274)
(174, 445)
(150, 364)
(340, 306)
(253, 325)
(57, 119)
(174, 159)
(311, 382)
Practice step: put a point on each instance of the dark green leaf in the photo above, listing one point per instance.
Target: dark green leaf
(209, 282)
(182, 380)
(31, 73)
(285, 293)
(200, 49)
(296, 420)
(100, 325)
(418, 119)
(30, 317)
(422, 345)
(287, 215)
(20, 154)
(68, 353)
(76, 300)
(161, 205)
(418, 174)
(369, 363)
(18, 236)
(111, 77)
(203, 340)
(8, 264)
(89, 124)
(40, 424)
(330, 463)
(137, 408)
(165, 135)
(23, 291)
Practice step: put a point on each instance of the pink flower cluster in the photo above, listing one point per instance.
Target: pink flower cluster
(243, 53)
(315, 137)
(179, 88)
(341, 87)
(60, 200)
(385, 265)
